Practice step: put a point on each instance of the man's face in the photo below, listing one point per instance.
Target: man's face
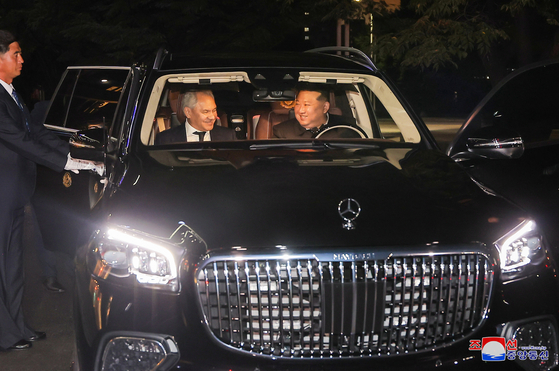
(202, 117)
(309, 111)
(11, 63)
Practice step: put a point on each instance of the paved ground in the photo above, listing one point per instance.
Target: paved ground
(444, 129)
(52, 313)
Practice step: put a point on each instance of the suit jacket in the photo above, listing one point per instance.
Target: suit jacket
(292, 129)
(178, 134)
(21, 150)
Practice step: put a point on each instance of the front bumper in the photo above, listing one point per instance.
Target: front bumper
(128, 322)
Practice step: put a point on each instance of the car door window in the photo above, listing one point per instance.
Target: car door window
(124, 107)
(61, 102)
(87, 98)
(527, 104)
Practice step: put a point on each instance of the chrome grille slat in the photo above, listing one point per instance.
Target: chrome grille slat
(472, 312)
(250, 336)
(260, 318)
(363, 330)
(394, 308)
(230, 307)
(208, 297)
(440, 300)
(375, 310)
(321, 334)
(447, 298)
(404, 306)
(304, 308)
(424, 265)
(239, 330)
(312, 305)
(343, 310)
(429, 338)
(218, 297)
(383, 307)
(269, 293)
(291, 314)
(281, 318)
(465, 306)
(332, 304)
(301, 308)
(458, 292)
(411, 327)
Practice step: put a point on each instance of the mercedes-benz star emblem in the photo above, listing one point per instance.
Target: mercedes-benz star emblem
(349, 210)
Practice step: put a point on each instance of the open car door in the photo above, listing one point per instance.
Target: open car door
(86, 97)
(510, 143)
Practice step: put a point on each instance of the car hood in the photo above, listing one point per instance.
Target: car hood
(291, 198)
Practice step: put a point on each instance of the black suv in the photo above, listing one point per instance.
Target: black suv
(370, 253)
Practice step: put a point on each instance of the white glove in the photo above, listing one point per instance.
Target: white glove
(74, 165)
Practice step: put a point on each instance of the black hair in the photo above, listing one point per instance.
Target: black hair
(6, 38)
(324, 94)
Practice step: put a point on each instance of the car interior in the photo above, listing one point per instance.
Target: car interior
(252, 111)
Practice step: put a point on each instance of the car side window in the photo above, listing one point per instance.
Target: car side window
(61, 103)
(527, 104)
(121, 110)
(382, 123)
(87, 98)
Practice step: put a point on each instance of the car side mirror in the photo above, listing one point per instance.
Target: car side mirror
(496, 148)
(492, 143)
(89, 144)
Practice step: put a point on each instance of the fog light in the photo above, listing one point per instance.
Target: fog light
(139, 353)
(539, 335)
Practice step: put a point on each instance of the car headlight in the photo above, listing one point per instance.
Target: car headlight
(124, 253)
(520, 247)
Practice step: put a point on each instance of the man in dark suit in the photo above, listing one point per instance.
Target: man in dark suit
(23, 144)
(312, 118)
(201, 114)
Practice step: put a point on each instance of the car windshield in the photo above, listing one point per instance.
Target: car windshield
(350, 106)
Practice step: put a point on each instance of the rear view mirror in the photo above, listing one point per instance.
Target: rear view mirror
(267, 95)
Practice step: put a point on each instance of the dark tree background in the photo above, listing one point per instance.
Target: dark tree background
(441, 52)
(58, 33)
(456, 50)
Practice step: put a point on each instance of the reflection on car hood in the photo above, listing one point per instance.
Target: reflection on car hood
(415, 197)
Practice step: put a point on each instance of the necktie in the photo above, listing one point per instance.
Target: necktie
(201, 135)
(14, 94)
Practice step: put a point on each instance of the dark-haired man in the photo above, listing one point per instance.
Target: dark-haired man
(312, 118)
(23, 144)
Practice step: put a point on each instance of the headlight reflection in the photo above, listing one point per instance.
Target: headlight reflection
(126, 253)
(521, 246)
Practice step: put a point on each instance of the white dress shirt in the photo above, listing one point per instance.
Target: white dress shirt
(9, 88)
(191, 137)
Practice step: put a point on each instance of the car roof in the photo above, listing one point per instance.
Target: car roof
(315, 59)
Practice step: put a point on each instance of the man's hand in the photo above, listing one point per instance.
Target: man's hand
(75, 165)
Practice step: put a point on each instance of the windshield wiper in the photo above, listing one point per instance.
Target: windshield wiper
(338, 145)
(312, 145)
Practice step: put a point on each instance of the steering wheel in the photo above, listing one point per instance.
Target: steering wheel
(348, 127)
